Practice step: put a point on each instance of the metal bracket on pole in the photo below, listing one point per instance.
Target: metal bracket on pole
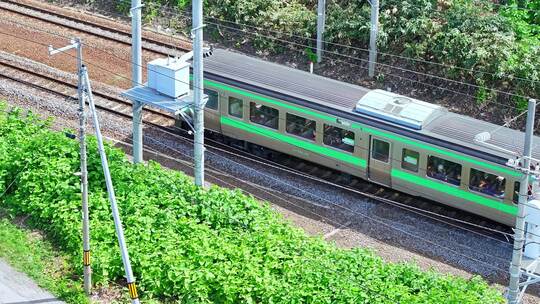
(515, 287)
(196, 29)
(138, 7)
(76, 44)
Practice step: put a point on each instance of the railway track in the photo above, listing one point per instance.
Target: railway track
(121, 36)
(342, 182)
(285, 163)
(292, 165)
(68, 90)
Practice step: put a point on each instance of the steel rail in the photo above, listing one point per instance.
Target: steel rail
(185, 47)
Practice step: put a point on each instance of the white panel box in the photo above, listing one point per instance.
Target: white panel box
(169, 77)
(532, 238)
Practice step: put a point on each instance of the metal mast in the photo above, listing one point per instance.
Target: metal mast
(198, 90)
(84, 173)
(136, 65)
(321, 16)
(519, 238)
(373, 37)
(76, 44)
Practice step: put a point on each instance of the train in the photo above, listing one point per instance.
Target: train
(398, 142)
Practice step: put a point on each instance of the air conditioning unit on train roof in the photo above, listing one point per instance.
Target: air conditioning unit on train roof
(398, 109)
(169, 76)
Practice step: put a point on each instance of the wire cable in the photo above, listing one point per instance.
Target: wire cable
(91, 64)
(377, 64)
(383, 64)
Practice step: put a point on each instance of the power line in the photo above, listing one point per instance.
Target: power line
(402, 77)
(186, 14)
(383, 64)
(403, 231)
(98, 66)
(338, 60)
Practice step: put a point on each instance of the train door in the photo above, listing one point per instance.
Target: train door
(380, 161)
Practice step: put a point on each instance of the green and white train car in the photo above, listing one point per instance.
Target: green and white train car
(399, 142)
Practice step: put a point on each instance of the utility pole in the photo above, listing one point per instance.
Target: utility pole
(110, 190)
(76, 44)
(198, 91)
(373, 36)
(136, 65)
(519, 236)
(321, 17)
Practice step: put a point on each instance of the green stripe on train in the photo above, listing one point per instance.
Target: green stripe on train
(424, 182)
(294, 141)
(453, 191)
(364, 128)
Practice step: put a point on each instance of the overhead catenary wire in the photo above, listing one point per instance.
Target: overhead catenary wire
(413, 235)
(378, 65)
(383, 64)
(449, 66)
(100, 67)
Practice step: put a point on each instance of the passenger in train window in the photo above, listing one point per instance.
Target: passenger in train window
(487, 183)
(263, 115)
(454, 175)
(338, 138)
(300, 126)
(444, 170)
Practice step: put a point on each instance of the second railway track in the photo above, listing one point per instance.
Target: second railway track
(68, 90)
(158, 46)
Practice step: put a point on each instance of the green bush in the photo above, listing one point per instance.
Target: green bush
(193, 245)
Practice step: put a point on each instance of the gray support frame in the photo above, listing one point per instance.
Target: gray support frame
(136, 66)
(84, 174)
(373, 37)
(77, 44)
(321, 18)
(514, 294)
(110, 190)
(198, 92)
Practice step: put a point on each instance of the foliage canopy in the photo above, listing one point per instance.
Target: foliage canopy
(193, 245)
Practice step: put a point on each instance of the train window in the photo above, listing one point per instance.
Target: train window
(338, 138)
(515, 196)
(409, 160)
(300, 126)
(444, 170)
(487, 183)
(380, 150)
(264, 115)
(236, 107)
(213, 98)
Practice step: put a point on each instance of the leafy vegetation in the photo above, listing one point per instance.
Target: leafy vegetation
(193, 245)
(492, 46)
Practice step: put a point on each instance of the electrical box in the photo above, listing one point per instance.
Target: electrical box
(532, 236)
(169, 76)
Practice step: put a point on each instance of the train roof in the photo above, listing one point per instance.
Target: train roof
(389, 111)
(279, 78)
